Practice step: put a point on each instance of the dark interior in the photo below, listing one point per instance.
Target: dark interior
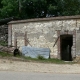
(66, 42)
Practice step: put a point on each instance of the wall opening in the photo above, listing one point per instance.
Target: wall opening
(66, 43)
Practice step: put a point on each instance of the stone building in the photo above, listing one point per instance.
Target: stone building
(60, 34)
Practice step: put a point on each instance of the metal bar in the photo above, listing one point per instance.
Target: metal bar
(56, 41)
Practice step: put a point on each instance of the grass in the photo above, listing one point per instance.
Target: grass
(3, 43)
(5, 54)
(38, 59)
(42, 60)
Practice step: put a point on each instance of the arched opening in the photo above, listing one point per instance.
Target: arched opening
(66, 42)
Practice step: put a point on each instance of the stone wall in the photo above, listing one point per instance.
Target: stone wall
(4, 33)
(43, 32)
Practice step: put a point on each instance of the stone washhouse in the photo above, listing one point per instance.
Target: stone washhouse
(60, 34)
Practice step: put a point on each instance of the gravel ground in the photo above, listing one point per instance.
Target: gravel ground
(11, 65)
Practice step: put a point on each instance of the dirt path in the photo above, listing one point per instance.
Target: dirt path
(11, 65)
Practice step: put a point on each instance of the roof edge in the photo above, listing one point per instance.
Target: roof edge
(45, 19)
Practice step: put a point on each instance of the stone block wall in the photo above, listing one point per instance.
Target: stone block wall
(4, 33)
(42, 33)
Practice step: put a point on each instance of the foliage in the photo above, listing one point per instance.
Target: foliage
(3, 43)
(34, 8)
(42, 60)
(70, 7)
(24, 9)
(9, 8)
(40, 57)
(4, 54)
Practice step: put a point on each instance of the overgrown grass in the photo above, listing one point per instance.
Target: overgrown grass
(43, 60)
(38, 59)
(3, 43)
(5, 54)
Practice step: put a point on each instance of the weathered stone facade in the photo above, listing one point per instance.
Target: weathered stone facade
(3, 32)
(44, 32)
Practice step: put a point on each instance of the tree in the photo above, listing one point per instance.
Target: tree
(69, 7)
(9, 9)
(52, 7)
(39, 8)
(0, 7)
(34, 8)
(25, 9)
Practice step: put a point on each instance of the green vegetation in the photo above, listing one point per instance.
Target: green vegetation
(5, 54)
(39, 59)
(24, 9)
(3, 43)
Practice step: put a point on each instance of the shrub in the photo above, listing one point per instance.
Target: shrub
(40, 57)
